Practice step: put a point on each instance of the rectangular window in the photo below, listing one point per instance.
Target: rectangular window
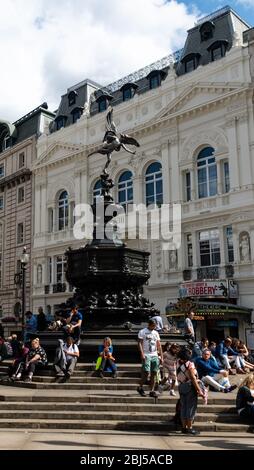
(21, 160)
(6, 143)
(189, 65)
(189, 250)
(20, 233)
(50, 270)
(217, 53)
(2, 170)
(230, 245)
(188, 185)
(102, 105)
(209, 247)
(226, 177)
(21, 194)
(1, 203)
(60, 269)
(154, 81)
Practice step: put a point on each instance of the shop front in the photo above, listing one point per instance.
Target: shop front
(216, 311)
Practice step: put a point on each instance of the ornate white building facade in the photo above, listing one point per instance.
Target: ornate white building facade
(193, 117)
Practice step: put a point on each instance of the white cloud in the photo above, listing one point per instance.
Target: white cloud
(48, 46)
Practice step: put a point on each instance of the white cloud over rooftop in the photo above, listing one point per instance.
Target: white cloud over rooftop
(48, 46)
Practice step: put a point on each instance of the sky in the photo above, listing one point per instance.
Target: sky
(47, 46)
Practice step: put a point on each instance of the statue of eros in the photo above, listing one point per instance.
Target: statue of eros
(113, 141)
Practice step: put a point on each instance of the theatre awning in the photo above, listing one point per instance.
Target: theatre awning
(212, 309)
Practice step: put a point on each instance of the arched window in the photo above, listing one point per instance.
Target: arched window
(218, 49)
(76, 113)
(96, 190)
(153, 183)
(60, 122)
(63, 210)
(207, 173)
(72, 97)
(125, 189)
(206, 30)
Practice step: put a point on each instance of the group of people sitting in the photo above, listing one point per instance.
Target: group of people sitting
(194, 371)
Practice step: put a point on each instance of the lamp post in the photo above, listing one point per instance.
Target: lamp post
(24, 259)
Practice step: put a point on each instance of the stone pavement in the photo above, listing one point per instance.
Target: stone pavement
(51, 440)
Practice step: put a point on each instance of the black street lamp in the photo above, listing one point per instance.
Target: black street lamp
(24, 259)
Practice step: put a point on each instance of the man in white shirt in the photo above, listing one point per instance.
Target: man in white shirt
(66, 358)
(149, 346)
(189, 333)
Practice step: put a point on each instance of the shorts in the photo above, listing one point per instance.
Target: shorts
(169, 373)
(151, 364)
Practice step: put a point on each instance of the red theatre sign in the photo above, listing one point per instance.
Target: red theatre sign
(206, 289)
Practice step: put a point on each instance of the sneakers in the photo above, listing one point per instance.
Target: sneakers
(114, 375)
(192, 432)
(172, 393)
(101, 374)
(230, 389)
(141, 391)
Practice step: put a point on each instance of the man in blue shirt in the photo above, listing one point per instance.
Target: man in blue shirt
(73, 324)
(227, 355)
(30, 326)
(211, 374)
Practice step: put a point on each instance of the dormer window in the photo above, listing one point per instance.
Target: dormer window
(127, 94)
(76, 113)
(60, 122)
(206, 31)
(190, 62)
(128, 91)
(218, 50)
(103, 102)
(6, 142)
(72, 97)
(155, 77)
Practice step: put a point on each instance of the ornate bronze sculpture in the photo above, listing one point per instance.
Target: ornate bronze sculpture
(112, 142)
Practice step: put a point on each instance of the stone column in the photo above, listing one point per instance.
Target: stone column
(43, 205)
(222, 246)
(37, 210)
(245, 168)
(193, 184)
(175, 177)
(195, 260)
(219, 178)
(165, 172)
(233, 154)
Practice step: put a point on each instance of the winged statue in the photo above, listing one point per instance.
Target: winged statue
(114, 141)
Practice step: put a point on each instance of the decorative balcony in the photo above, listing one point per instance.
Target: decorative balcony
(59, 288)
(209, 272)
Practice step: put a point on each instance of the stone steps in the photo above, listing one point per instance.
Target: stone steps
(93, 415)
(166, 408)
(89, 402)
(135, 425)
